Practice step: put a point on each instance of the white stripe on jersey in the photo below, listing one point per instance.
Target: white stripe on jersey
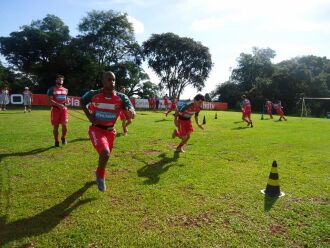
(110, 106)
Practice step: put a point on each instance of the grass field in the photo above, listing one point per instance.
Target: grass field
(208, 196)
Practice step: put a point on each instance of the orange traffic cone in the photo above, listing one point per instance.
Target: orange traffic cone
(273, 185)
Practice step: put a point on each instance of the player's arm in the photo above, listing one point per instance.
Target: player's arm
(84, 101)
(128, 106)
(197, 121)
(51, 101)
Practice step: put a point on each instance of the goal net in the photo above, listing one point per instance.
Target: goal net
(305, 110)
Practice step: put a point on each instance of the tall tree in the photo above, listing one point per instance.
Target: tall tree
(178, 61)
(31, 48)
(109, 38)
(253, 66)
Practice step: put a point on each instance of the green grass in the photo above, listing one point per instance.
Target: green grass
(207, 197)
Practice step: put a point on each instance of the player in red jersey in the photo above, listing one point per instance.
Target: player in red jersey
(166, 102)
(123, 117)
(57, 96)
(174, 101)
(279, 110)
(246, 109)
(183, 115)
(107, 105)
(269, 108)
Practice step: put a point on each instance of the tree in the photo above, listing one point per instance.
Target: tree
(228, 92)
(109, 38)
(253, 66)
(178, 62)
(208, 97)
(30, 49)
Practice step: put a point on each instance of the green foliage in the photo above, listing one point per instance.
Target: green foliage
(287, 81)
(109, 38)
(178, 61)
(206, 197)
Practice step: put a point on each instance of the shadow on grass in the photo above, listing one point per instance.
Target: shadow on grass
(154, 170)
(236, 122)
(163, 120)
(269, 202)
(239, 128)
(77, 140)
(44, 221)
(27, 153)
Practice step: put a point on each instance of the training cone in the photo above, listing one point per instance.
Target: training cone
(204, 120)
(216, 116)
(273, 185)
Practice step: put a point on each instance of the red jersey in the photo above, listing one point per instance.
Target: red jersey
(106, 109)
(58, 94)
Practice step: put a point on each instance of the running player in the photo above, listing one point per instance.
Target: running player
(107, 105)
(166, 102)
(246, 109)
(123, 115)
(27, 99)
(57, 96)
(173, 105)
(279, 110)
(269, 108)
(183, 115)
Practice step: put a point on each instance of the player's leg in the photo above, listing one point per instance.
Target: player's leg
(55, 133)
(102, 141)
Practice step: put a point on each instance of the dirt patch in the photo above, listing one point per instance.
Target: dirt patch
(120, 172)
(148, 224)
(278, 229)
(151, 151)
(190, 220)
(319, 201)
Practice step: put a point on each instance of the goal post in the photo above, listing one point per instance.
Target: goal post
(303, 103)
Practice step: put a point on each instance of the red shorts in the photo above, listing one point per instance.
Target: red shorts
(185, 127)
(247, 114)
(173, 106)
(59, 116)
(280, 112)
(102, 139)
(122, 116)
(269, 110)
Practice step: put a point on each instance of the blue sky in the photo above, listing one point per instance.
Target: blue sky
(228, 27)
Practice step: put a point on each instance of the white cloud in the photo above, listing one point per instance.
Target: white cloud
(137, 25)
(207, 23)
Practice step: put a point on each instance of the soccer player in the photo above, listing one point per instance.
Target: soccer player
(246, 109)
(27, 99)
(107, 104)
(269, 108)
(183, 115)
(166, 102)
(279, 110)
(4, 98)
(123, 116)
(173, 104)
(57, 96)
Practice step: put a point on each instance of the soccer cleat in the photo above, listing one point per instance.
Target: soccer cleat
(57, 144)
(100, 183)
(64, 142)
(179, 149)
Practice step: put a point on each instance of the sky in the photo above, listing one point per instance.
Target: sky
(227, 27)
